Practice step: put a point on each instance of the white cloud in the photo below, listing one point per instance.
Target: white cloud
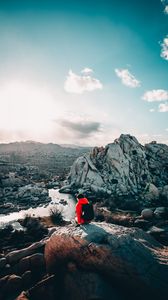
(163, 107)
(155, 95)
(164, 49)
(166, 9)
(87, 71)
(127, 78)
(152, 110)
(165, 2)
(78, 84)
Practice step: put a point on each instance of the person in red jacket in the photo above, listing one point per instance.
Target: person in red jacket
(81, 200)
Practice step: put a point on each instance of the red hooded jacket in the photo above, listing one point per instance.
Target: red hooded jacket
(81, 201)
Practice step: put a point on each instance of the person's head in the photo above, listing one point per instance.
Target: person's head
(80, 196)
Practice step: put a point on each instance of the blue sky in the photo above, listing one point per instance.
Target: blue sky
(83, 72)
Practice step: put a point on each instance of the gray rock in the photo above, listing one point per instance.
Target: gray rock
(164, 193)
(161, 212)
(122, 168)
(10, 285)
(151, 193)
(147, 214)
(15, 256)
(3, 262)
(27, 279)
(155, 230)
(51, 231)
(141, 223)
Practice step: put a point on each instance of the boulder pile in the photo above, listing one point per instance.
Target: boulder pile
(21, 269)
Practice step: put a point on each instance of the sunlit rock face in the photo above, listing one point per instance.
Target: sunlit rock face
(123, 168)
(106, 261)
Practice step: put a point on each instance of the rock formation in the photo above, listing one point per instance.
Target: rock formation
(105, 261)
(95, 261)
(21, 269)
(124, 168)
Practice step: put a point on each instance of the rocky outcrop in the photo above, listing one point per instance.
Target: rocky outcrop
(94, 261)
(22, 197)
(21, 269)
(105, 261)
(15, 256)
(124, 168)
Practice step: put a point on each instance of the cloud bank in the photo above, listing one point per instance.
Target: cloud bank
(155, 95)
(164, 48)
(80, 83)
(87, 71)
(163, 107)
(127, 78)
(81, 129)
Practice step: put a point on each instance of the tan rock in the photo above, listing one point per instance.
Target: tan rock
(23, 296)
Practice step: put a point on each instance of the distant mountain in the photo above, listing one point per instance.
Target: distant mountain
(37, 146)
(28, 146)
(54, 158)
(73, 146)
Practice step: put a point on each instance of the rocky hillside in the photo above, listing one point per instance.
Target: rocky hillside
(123, 169)
(48, 158)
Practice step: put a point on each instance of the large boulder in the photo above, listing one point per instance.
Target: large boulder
(164, 193)
(124, 168)
(33, 263)
(10, 285)
(105, 261)
(14, 256)
(151, 193)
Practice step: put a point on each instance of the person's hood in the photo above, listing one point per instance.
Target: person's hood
(83, 201)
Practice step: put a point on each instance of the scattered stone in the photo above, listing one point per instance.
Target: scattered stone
(3, 262)
(15, 256)
(27, 279)
(63, 202)
(154, 230)
(23, 296)
(161, 212)
(45, 289)
(51, 231)
(10, 285)
(143, 224)
(164, 194)
(147, 214)
(151, 193)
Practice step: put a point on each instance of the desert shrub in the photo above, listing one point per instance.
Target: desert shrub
(33, 226)
(56, 216)
(17, 236)
(99, 216)
(6, 231)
